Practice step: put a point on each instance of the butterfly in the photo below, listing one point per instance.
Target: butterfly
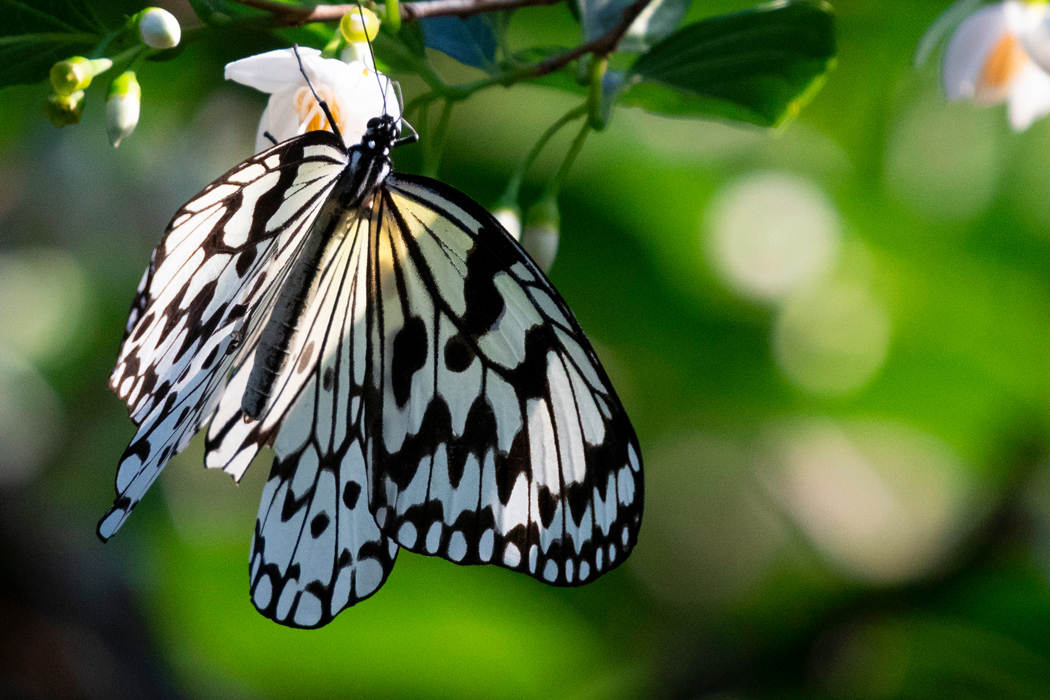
(421, 382)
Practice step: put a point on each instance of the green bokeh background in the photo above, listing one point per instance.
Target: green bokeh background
(848, 486)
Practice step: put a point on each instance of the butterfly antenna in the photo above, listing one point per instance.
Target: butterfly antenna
(322, 103)
(372, 52)
(414, 136)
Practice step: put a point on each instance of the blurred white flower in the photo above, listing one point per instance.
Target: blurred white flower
(987, 61)
(509, 218)
(351, 90)
(123, 107)
(541, 234)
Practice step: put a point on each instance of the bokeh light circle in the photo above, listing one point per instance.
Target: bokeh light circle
(772, 233)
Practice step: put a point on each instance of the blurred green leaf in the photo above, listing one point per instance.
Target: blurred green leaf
(34, 36)
(470, 41)
(759, 66)
(211, 11)
(599, 17)
(412, 38)
(402, 52)
(657, 21)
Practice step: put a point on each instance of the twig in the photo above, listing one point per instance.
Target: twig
(600, 47)
(291, 15)
(463, 8)
(295, 15)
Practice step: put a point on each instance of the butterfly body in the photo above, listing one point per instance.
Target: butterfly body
(421, 382)
(369, 164)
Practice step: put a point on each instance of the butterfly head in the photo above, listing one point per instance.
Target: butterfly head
(381, 134)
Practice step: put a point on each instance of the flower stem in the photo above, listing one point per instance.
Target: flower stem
(432, 157)
(511, 194)
(554, 186)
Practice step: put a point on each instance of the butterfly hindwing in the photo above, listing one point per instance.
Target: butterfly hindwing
(221, 261)
(493, 435)
(316, 548)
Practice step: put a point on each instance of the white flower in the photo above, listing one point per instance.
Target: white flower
(352, 91)
(987, 63)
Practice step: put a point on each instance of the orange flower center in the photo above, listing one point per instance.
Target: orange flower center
(310, 112)
(1004, 62)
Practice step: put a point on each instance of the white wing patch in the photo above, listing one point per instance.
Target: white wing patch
(498, 438)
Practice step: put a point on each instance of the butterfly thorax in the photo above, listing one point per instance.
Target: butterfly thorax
(349, 203)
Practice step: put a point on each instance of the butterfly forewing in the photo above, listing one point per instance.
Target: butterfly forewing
(494, 435)
(221, 261)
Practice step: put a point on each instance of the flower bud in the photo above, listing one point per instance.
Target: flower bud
(159, 29)
(122, 107)
(74, 74)
(359, 26)
(540, 237)
(64, 110)
(509, 217)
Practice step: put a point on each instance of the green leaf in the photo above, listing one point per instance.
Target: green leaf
(759, 66)
(35, 34)
(657, 20)
(470, 41)
(404, 52)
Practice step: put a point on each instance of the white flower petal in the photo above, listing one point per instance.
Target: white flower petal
(339, 76)
(1029, 97)
(1036, 39)
(354, 92)
(261, 142)
(968, 51)
(273, 71)
(283, 119)
(1023, 17)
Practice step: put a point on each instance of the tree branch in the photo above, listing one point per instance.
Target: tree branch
(295, 15)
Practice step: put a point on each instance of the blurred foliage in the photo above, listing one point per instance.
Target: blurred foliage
(833, 342)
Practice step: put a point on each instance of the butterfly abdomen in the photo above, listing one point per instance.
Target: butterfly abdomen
(351, 193)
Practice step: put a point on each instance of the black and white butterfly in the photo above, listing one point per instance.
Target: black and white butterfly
(422, 383)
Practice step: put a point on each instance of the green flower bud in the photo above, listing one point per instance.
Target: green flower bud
(509, 217)
(540, 237)
(74, 74)
(64, 110)
(359, 26)
(159, 29)
(122, 107)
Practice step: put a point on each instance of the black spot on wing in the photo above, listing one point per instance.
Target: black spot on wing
(458, 354)
(319, 524)
(351, 492)
(484, 302)
(409, 356)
